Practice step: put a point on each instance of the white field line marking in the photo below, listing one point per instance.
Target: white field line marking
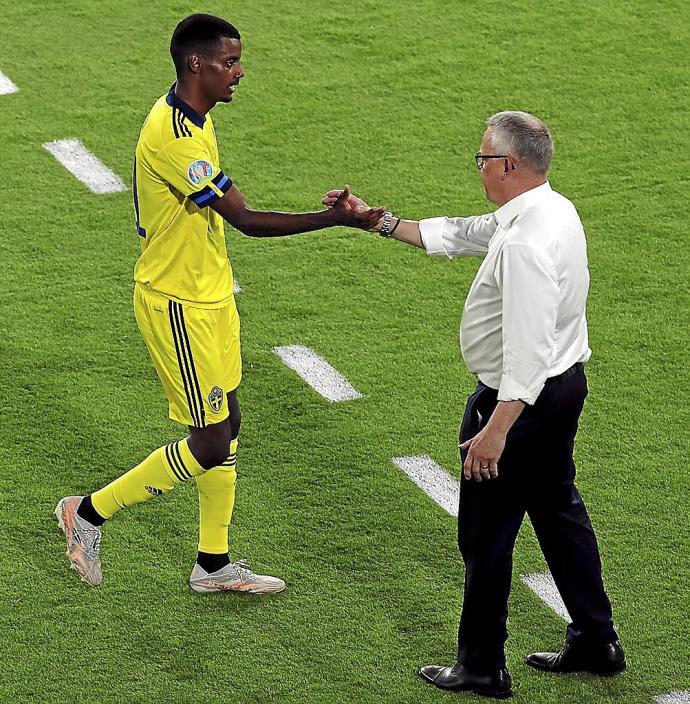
(82, 164)
(236, 288)
(542, 584)
(680, 697)
(433, 480)
(6, 85)
(317, 372)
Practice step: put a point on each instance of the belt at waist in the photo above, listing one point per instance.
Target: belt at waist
(570, 371)
(575, 369)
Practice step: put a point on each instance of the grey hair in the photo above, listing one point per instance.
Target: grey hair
(522, 136)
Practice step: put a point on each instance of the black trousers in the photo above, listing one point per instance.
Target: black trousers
(536, 476)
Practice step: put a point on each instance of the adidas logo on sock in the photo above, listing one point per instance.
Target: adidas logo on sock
(153, 490)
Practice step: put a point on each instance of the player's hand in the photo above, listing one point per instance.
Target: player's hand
(332, 196)
(351, 210)
(483, 452)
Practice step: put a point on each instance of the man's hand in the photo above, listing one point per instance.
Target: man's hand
(351, 210)
(483, 452)
(486, 447)
(332, 196)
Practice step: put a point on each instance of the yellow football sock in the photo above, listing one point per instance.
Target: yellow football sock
(162, 470)
(216, 501)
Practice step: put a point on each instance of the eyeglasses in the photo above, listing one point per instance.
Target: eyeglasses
(480, 159)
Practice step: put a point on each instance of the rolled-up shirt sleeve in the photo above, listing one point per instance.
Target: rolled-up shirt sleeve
(458, 237)
(529, 290)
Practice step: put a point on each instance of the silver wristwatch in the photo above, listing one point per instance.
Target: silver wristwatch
(385, 231)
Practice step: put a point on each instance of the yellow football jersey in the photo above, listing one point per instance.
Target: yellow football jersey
(176, 177)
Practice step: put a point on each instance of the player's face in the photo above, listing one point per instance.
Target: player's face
(223, 71)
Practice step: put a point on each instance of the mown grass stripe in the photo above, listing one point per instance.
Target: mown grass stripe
(85, 166)
(431, 478)
(318, 373)
(542, 584)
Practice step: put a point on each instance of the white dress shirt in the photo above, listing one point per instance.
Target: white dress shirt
(524, 317)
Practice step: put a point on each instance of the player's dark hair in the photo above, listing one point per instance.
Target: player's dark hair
(198, 34)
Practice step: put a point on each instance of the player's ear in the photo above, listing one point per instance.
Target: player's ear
(194, 63)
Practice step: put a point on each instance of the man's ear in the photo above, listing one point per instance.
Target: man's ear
(194, 63)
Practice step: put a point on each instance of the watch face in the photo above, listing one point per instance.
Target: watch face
(385, 229)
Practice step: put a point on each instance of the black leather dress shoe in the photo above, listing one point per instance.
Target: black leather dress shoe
(579, 656)
(459, 679)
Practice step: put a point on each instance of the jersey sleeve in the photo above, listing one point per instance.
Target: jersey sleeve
(186, 164)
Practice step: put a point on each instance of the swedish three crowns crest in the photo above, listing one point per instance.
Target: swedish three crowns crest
(215, 398)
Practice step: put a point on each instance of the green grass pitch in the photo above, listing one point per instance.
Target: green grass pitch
(391, 98)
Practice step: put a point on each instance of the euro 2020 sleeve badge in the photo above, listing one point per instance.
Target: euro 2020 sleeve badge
(199, 171)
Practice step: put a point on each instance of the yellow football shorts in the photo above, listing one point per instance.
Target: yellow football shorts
(196, 352)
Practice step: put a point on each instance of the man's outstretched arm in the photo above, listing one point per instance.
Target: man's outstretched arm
(261, 223)
(405, 231)
(450, 237)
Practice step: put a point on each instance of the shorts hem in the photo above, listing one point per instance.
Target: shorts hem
(213, 420)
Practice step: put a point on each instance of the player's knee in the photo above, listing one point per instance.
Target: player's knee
(210, 445)
(218, 448)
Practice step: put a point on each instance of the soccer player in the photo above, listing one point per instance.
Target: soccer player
(185, 308)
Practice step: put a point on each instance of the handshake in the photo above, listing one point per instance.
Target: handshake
(351, 211)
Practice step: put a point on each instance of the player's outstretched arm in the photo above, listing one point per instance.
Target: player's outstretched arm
(404, 230)
(262, 223)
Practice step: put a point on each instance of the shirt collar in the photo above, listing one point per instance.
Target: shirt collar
(510, 210)
(187, 110)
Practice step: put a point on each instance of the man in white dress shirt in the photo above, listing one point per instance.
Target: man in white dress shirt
(524, 334)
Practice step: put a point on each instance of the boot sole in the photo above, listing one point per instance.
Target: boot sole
(482, 693)
(209, 590)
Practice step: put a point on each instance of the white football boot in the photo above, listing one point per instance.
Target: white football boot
(235, 577)
(83, 540)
